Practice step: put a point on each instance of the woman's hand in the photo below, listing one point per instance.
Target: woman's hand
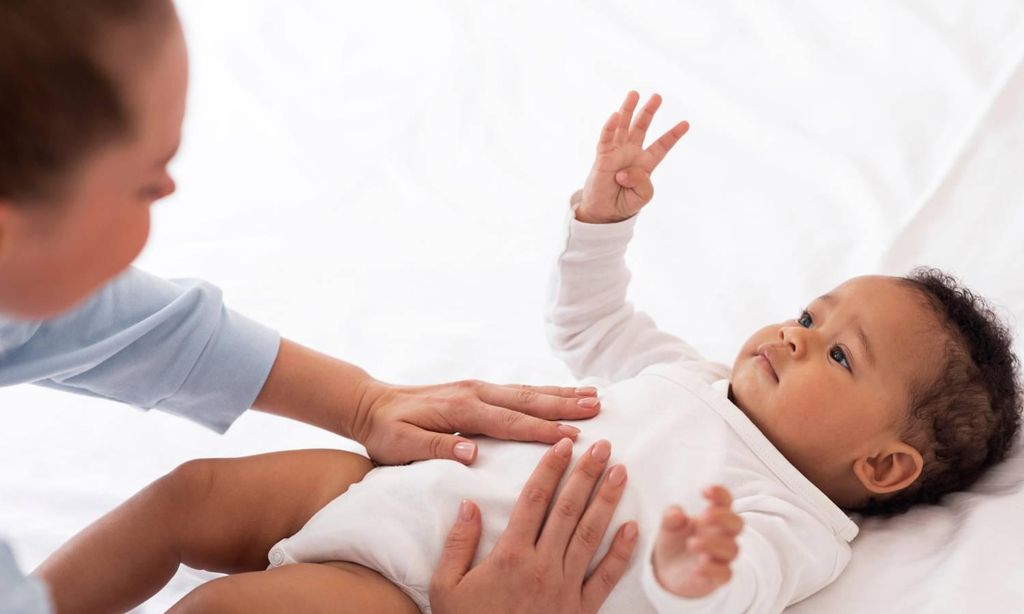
(693, 556)
(540, 571)
(399, 424)
(619, 184)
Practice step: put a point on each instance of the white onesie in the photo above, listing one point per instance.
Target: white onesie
(668, 417)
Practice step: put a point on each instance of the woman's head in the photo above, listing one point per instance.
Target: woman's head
(92, 98)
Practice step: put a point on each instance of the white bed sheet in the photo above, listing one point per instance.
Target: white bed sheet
(385, 182)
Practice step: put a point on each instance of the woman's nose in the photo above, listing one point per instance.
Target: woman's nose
(167, 187)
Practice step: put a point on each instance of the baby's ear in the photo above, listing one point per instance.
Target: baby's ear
(891, 470)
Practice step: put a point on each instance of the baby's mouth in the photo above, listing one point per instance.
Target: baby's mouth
(764, 361)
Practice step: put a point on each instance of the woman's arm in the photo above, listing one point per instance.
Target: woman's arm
(398, 424)
(174, 346)
(147, 342)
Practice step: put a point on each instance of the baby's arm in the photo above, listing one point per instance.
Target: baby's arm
(221, 515)
(589, 322)
(749, 561)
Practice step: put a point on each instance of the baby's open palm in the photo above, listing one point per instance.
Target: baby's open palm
(693, 556)
(619, 183)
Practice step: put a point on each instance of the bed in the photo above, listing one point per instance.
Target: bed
(386, 182)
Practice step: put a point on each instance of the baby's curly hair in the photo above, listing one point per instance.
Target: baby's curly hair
(967, 418)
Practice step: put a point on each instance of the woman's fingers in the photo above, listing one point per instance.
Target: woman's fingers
(611, 568)
(558, 391)
(564, 520)
(459, 548)
(532, 505)
(588, 534)
(502, 423)
(626, 117)
(660, 148)
(542, 403)
(643, 121)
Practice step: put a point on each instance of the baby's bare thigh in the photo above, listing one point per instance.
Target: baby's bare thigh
(311, 588)
(238, 508)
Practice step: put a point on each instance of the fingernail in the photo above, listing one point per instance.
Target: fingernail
(569, 431)
(564, 447)
(629, 532)
(617, 475)
(465, 451)
(586, 391)
(588, 402)
(465, 511)
(601, 450)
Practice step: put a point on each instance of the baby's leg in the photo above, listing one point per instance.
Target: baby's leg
(221, 515)
(334, 588)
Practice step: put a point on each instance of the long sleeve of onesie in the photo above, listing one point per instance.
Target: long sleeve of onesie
(786, 553)
(148, 342)
(779, 564)
(591, 325)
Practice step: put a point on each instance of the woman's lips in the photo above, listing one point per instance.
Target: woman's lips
(766, 363)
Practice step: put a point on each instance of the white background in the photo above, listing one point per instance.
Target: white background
(386, 182)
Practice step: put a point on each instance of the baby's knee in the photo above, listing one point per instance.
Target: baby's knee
(174, 496)
(190, 481)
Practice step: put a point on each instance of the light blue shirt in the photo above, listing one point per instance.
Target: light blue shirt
(145, 341)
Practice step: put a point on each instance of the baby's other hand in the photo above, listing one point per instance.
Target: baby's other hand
(692, 556)
(619, 184)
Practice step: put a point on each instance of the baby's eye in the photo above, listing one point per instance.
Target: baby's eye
(839, 355)
(805, 319)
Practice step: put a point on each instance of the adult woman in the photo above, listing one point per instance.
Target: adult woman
(92, 97)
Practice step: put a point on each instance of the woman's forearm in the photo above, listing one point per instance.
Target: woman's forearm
(400, 424)
(314, 388)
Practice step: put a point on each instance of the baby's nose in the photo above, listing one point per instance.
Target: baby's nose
(792, 338)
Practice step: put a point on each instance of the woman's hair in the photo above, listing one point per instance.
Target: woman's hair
(58, 100)
(967, 418)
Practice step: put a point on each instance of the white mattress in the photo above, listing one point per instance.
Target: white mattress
(386, 181)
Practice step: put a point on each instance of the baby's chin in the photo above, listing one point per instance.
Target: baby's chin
(745, 385)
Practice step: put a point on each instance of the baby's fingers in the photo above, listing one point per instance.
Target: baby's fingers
(660, 148)
(643, 121)
(718, 496)
(676, 527)
(720, 548)
(722, 521)
(626, 116)
(714, 572)
(608, 132)
(633, 177)
(638, 181)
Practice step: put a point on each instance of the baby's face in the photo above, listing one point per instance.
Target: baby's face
(832, 386)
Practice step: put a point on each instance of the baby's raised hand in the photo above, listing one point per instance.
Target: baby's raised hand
(692, 556)
(619, 184)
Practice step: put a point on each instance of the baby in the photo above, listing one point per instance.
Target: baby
(881, 394)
